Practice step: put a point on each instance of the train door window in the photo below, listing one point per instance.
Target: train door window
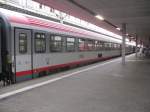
(22, 43)
(81, 44)
(55, 43)
(40, 43)
(70, 44)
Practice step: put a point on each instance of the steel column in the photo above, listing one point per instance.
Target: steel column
(136, 46)
(123, 42)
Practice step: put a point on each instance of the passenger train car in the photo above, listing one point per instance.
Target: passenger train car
(32, 46)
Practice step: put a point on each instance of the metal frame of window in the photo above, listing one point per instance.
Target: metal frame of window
(90, 45)
(23, 36)
(55, 44)
(70, 42)
(42, 41)
(81, 44)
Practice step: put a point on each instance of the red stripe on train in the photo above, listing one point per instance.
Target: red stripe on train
(29, 72)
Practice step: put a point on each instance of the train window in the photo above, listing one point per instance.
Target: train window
(89, 45)
(40, 43)
(99, 45)
(81, 46)
(22, 43)
(70, 44)
(55, 44)
(106, 45)
(112, 46)
(96, 45)
(118, 46)
(115, 46)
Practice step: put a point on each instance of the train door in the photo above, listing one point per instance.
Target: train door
(0, 50)
(23, 54)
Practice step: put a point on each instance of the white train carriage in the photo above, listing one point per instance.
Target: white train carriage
(31, 46)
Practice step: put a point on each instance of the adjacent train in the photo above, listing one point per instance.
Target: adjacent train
(32, 47)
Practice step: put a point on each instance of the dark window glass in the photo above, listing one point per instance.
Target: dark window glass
(106, 45)
(40, 43)
(22, 43)
(115, 46)
(55, 44)
(70, 44)
(118, 46)
(111, 46)
(81, 45)
(89, 45)
(99, 45)
(96, 45)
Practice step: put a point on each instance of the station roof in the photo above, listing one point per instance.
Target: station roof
(135, 13)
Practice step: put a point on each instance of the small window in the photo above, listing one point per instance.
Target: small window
(70, 44)
(40, 43)
(99, 45)
(55, 44)
(52, 10)
(96, 45)
(89, 45)
(40, 6)
(118, 46)
(81, 46)
(22, 43)
(106, 45)
(115, 46)
(111, 46)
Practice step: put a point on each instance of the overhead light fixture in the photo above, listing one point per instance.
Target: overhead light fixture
(118, 28)
(127, 34)
(99, 17)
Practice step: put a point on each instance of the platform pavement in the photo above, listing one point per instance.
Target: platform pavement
(108, 88)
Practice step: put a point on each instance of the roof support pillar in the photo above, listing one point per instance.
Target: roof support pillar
(136, 49)
(123, 42)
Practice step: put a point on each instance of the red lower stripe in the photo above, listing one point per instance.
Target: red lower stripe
(29, 72)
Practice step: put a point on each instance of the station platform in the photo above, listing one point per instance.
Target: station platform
(101, 87)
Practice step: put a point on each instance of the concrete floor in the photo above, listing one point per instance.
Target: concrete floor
(109, 88)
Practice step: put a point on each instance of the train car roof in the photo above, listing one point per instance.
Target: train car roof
(19, 18)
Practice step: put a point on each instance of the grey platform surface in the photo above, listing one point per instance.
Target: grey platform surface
(109, 88)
